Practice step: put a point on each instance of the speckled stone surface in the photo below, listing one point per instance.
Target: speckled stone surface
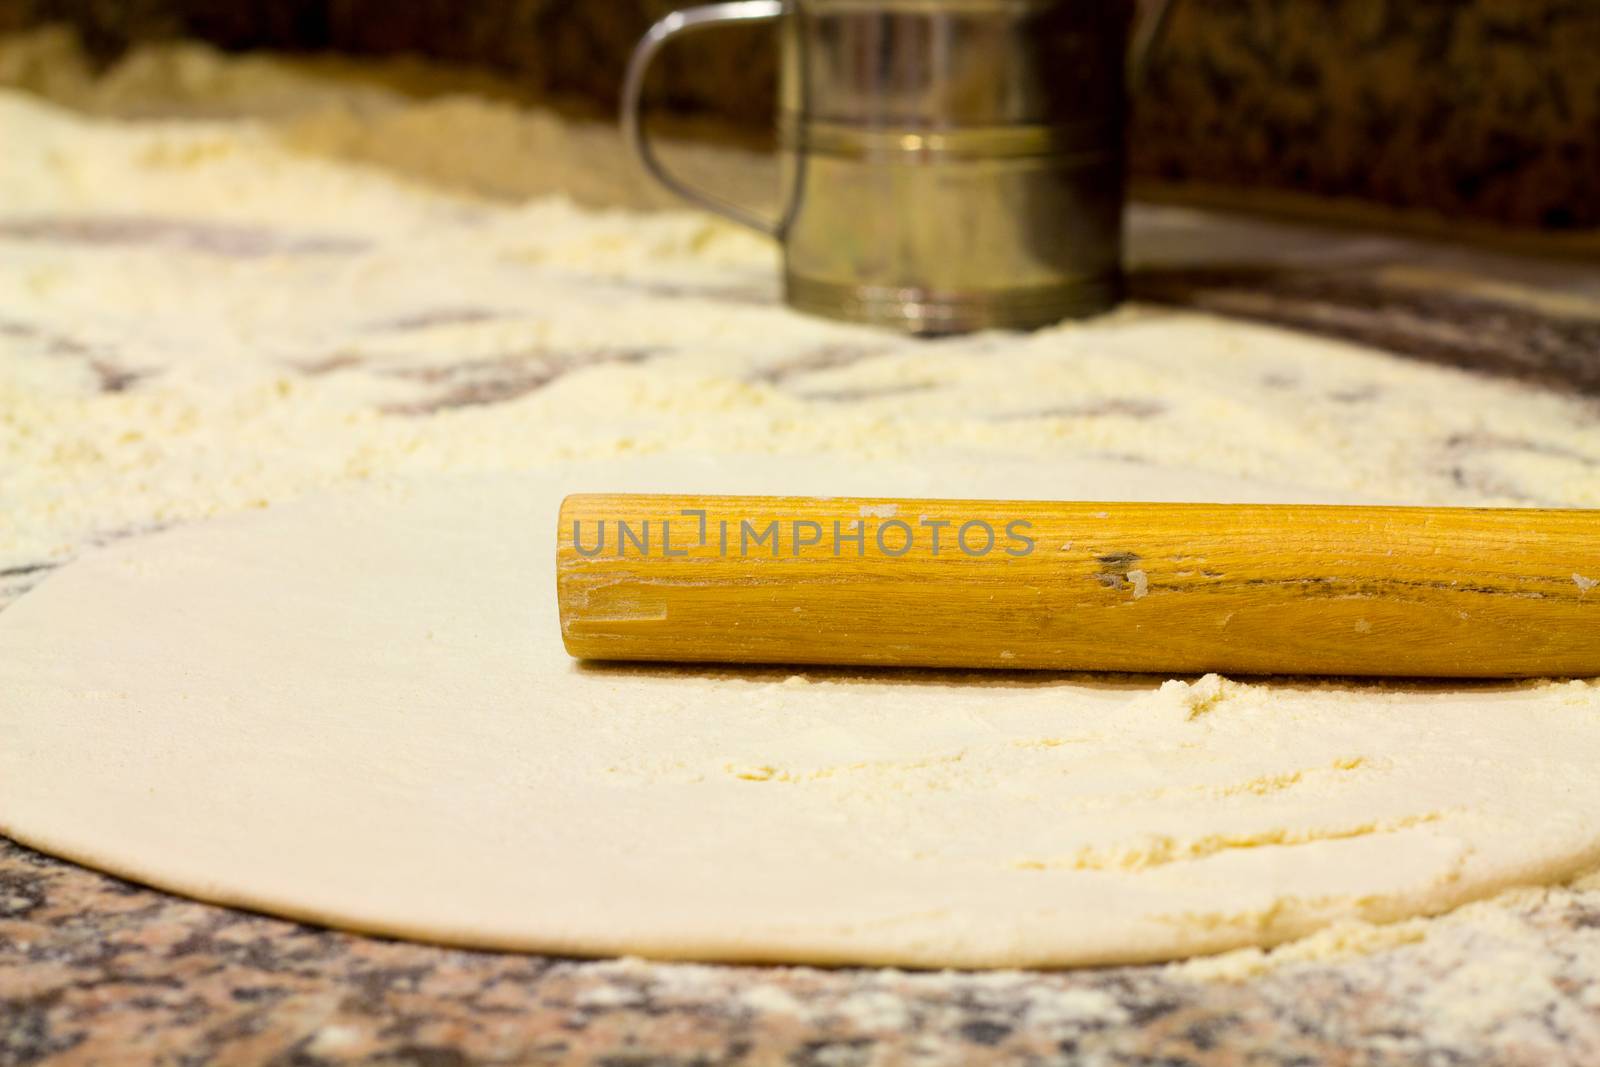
(1484, 108)
(93, 970)
(1465, 108)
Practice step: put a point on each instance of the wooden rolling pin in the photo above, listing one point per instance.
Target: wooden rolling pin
(1180, 588)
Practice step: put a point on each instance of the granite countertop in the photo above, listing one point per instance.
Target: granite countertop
(95, 970)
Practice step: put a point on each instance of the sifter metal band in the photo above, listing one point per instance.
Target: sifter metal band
(950, 165)
(1083, 142)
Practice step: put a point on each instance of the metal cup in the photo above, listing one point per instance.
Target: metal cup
(949, 165)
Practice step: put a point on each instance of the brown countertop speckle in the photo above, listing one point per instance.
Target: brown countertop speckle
(94, 970)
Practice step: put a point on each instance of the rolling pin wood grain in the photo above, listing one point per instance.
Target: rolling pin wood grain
(1179, 588)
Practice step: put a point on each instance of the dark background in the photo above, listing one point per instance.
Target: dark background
(1477, 109)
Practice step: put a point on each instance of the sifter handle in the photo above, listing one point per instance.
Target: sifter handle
(693, 18)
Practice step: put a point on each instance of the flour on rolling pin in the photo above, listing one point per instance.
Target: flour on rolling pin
(1187, 588)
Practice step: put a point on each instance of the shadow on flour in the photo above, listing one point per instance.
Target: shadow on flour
(1112, 681)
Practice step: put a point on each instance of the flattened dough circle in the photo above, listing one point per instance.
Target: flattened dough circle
(356, 710)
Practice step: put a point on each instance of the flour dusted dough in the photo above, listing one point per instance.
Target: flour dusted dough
(356, 709)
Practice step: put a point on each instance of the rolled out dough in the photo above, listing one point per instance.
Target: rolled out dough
(356, 709)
